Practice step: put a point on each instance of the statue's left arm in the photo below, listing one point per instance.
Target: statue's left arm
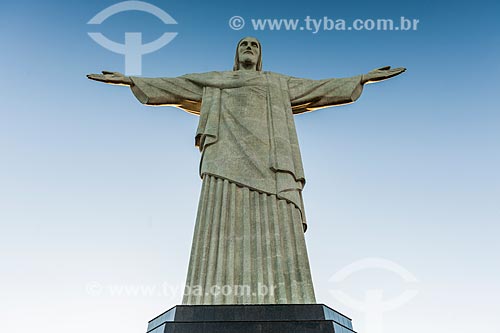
(309, 95)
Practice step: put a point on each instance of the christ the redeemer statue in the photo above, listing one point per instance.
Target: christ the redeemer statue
(248, 245)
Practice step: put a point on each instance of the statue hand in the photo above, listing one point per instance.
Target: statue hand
(111, 78)
(382, 73)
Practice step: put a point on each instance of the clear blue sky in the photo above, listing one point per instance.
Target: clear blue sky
(99, 190)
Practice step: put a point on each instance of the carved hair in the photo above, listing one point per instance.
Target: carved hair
(236, 66)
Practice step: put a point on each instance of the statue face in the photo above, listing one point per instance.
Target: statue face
(248, 50)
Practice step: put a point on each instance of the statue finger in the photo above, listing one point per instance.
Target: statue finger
(399, 69)
(97, 77)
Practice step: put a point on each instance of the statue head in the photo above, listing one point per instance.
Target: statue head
(248, 54)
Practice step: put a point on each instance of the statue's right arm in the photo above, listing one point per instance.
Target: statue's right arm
(111, 78)
(183, 91)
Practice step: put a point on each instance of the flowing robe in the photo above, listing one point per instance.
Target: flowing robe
(251, 219)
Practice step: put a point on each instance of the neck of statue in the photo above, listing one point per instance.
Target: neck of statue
(247, 66)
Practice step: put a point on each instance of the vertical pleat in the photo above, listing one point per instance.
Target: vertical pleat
(215, 235)
(245, 252)
(280, 275)
(288, 254)
(247, 239)
(231, 244)
(267, 250)
(257, 252)
(222, 263)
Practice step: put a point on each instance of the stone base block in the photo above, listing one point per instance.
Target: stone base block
(268, 318)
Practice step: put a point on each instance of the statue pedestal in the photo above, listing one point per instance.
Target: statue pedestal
(262, 318)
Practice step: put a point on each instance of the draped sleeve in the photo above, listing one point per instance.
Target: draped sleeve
(309, 95)
(181, 92)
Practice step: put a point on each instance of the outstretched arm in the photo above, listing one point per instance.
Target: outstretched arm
(309, 95)
(181, 91)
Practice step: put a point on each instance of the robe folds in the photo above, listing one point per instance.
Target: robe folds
(251, 157)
